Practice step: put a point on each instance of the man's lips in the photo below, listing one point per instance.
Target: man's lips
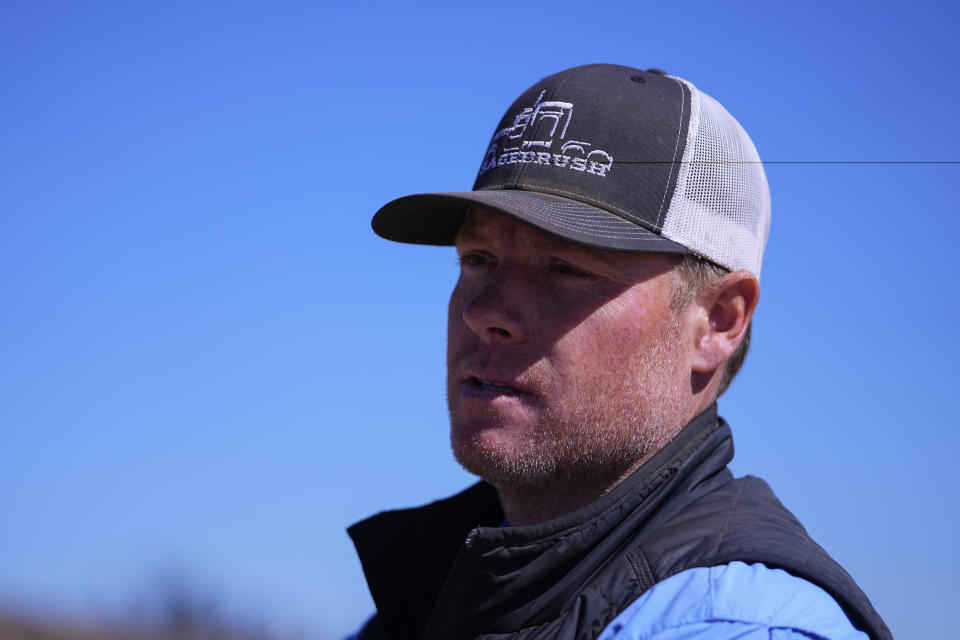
(492, 385)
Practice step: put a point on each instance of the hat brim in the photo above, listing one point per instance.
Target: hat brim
(435, 218)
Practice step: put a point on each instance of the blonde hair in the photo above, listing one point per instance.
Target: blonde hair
(694, 275)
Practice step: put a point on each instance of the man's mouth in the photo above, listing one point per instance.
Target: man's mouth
(492, 385)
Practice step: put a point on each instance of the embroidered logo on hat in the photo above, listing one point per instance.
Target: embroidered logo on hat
(523, 142)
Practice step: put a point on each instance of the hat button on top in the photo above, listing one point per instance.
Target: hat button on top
(659, 72)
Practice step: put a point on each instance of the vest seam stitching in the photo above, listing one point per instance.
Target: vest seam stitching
(642, 569)
(810, 550)
(601, 595)
(726, 525)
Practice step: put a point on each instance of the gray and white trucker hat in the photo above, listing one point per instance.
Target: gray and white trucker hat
(615, 158)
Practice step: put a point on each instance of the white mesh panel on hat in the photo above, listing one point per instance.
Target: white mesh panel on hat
(721, 205)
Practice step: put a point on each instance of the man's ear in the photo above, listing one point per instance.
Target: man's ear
(723, 314)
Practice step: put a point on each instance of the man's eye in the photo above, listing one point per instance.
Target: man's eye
(472, 260)
(567, 270)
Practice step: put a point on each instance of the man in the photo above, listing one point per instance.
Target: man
(610, 256)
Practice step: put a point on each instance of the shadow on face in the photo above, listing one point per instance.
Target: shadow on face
(522, 290)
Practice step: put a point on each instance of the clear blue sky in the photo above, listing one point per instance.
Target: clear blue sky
(210, 365)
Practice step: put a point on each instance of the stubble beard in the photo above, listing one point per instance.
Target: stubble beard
(597, 434)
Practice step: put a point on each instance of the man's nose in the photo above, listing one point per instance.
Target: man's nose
(497, 312)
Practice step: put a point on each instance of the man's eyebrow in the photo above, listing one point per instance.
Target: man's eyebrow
(602, 256)
(468, 233)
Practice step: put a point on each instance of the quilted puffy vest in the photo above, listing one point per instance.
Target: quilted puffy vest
(447, 571)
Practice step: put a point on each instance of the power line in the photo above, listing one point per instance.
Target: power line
(790, 162)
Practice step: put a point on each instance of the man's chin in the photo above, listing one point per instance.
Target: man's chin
(493, 456)
(508, 455)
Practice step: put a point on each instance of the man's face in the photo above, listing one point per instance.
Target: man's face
(562, 361)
